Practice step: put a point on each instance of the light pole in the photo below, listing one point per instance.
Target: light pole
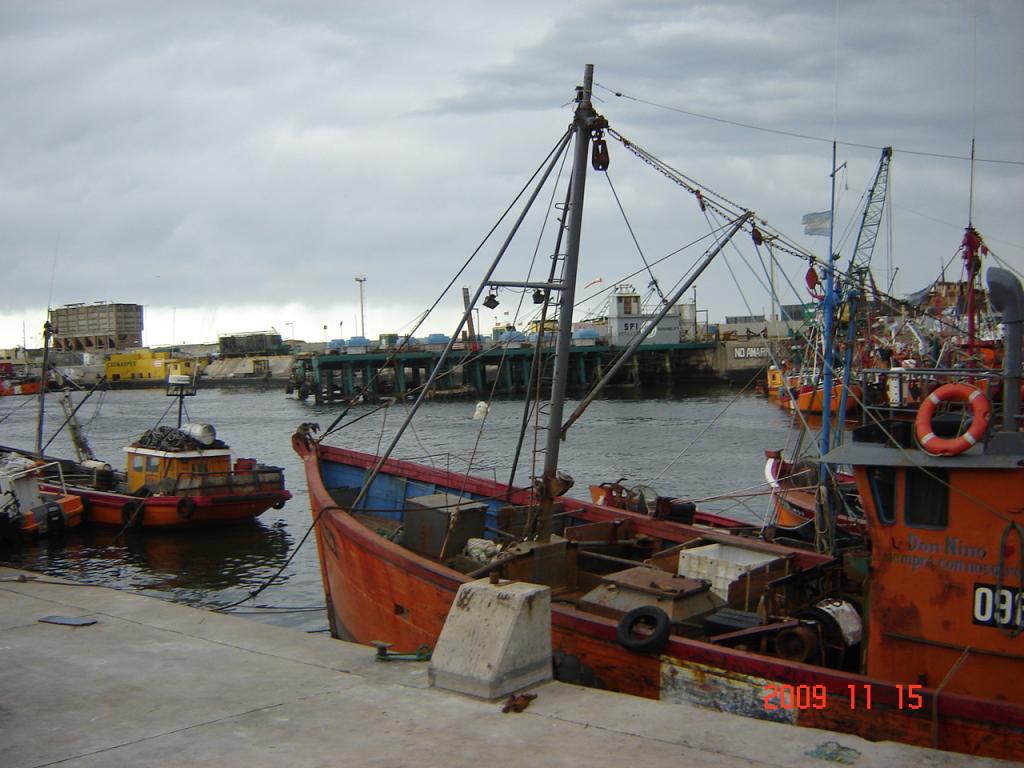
(292, 326)
(362, 315)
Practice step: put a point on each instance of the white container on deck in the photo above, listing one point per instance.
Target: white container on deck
(721, 564)
(204, 434)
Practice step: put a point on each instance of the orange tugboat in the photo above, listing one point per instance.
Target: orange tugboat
(923, 647)
(175, 477)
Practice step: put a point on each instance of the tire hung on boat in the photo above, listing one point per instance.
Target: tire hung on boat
(650, 616)
(951, 446)
(186, 507)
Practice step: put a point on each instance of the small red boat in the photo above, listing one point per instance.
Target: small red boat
(174, 477)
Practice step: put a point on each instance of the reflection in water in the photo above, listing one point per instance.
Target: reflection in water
(201, 568)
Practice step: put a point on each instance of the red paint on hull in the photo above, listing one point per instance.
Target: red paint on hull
(71, 507)
(163, 511)
(12, 388)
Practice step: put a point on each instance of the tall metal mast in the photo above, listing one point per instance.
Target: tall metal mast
(586, 122)
(48, 333)
(824, 517)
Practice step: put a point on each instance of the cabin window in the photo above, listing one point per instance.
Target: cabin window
(883, 492)
(927, 498)
(152, 464)
(138, 462)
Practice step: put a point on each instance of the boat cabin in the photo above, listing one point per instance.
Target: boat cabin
(179, 469)
(945, 603)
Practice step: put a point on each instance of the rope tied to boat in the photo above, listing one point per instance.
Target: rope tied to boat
(1016, 624)
(938, 692)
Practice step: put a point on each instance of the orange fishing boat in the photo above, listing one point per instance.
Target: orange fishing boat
(795, 509)
(184, 483)
(652, 603)
(945, 601)
(174, 477)
(808, 398)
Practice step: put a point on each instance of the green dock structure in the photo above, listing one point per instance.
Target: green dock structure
(395, 372)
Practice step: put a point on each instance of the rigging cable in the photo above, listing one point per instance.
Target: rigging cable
(795, 135)
(796, 411)
(639, 250)
(537, 363)
(559, 146)
(708, 426)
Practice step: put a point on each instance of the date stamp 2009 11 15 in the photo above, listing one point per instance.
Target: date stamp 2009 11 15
(781, 696)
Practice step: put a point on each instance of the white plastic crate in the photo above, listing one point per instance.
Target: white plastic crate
(721, 564)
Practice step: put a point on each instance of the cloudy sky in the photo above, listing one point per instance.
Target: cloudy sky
(234, 167)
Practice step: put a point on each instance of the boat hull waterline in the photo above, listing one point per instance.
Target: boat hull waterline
(167, 512)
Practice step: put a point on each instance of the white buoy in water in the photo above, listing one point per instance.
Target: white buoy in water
(481, 411)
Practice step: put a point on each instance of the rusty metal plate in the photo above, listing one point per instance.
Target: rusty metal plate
(656, 582)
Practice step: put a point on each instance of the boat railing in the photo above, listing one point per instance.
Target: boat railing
(230, 481)
(46, 471)
(454, 464)
(899, 392)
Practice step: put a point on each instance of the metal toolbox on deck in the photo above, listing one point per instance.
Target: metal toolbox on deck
(681, 598)
(427, 520)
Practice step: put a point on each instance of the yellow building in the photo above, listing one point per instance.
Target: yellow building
(147, 364)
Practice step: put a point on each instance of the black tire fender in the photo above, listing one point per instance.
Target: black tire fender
(651, 616)
(186, 507)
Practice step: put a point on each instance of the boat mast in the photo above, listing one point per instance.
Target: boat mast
(487, 281)
(586, 121)
(828, 308)
(824, 512)
(971, 245)
(47, 334)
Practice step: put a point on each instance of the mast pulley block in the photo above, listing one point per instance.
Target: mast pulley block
(599, 152)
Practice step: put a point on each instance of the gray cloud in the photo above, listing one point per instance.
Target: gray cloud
(212, 156)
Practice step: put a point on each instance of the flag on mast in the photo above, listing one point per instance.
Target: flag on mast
(817, 223)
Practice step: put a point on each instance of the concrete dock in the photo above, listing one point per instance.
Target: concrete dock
(153, 683)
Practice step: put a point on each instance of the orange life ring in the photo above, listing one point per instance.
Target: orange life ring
(951, 446)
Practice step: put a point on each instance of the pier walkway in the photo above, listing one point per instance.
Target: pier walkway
(152, 683)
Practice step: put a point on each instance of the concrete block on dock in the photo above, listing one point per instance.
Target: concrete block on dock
(496, 640)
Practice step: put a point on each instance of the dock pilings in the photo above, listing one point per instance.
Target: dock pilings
(506, 370)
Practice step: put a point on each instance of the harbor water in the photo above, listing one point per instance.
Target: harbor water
(699, 445)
